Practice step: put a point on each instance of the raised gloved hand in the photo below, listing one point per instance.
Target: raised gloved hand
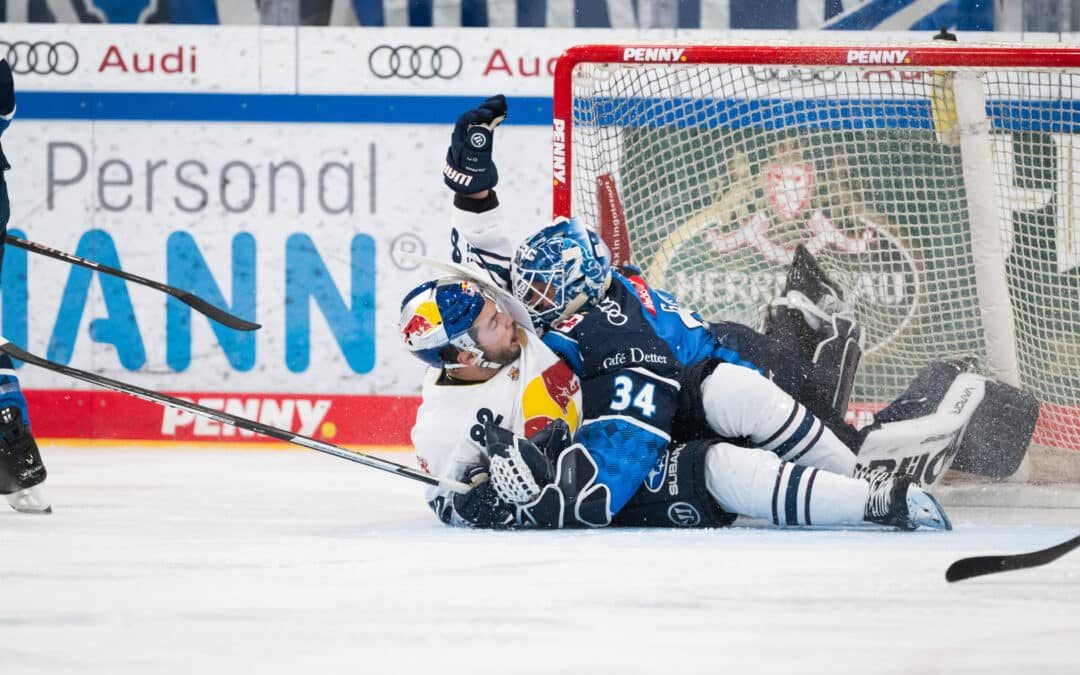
(481, 506)
(7, 89)
(469, 167)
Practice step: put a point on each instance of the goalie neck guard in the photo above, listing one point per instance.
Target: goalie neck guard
(559, 270)
(439, 314)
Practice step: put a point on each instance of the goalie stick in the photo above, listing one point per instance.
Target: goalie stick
(15, 352)
(189, 299)
(989, 564)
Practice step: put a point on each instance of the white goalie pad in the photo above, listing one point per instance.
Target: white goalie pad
(924, 447)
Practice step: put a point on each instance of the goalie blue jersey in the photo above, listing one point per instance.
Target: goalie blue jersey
(629, 352)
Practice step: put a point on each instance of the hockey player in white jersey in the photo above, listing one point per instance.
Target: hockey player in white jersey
(485, 370)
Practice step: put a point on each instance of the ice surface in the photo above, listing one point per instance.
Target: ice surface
(206, 561)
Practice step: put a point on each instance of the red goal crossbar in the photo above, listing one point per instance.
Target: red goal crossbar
(776, 55)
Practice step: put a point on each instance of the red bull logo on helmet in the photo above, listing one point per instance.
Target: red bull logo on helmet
(425, 319)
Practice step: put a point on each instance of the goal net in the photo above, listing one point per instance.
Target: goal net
(934, 183)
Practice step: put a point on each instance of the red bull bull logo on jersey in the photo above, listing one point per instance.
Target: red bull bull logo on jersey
(554, 394)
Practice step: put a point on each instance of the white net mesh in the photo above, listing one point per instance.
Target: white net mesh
(720, 170)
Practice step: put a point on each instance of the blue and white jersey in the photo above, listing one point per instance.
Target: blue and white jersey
(630, 385)
(629, 352)
(685, 332)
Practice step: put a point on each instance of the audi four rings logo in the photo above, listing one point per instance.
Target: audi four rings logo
(40, 58)
(406, 61)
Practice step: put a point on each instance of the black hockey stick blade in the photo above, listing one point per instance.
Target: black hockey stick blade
(989, 564)
(219, 416)
(192, 301)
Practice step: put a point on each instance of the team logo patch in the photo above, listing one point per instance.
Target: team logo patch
(788, 187)
(567, 324)
(682, 514)
(643, 293)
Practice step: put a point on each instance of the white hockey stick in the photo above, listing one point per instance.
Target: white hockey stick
(239, 422)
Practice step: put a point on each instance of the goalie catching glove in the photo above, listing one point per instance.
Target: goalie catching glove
(469, 167)
(521, 467)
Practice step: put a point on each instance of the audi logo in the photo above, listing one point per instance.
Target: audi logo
(40, 58)
(793, 74)
(406, 61)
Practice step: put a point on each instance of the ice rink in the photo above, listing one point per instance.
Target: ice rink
(206, 561)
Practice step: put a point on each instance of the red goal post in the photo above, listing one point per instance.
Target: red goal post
(938, 182)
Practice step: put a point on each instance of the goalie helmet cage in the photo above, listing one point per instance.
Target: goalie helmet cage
(934, 183)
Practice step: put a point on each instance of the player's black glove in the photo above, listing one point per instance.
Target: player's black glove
(7, 89)
(469, 167)
(480, 506)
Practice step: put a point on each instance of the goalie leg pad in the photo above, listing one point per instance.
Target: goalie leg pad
(675, 494)
(999, 432)
(920, 433)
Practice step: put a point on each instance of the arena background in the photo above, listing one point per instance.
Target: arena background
(283, 172)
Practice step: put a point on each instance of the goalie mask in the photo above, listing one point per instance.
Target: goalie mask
(439, 314)
(559, 270)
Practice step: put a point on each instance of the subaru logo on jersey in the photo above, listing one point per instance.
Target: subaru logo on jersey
(654, 480)
(683, 515)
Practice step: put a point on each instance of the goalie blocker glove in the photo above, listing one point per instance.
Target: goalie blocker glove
(469, 167)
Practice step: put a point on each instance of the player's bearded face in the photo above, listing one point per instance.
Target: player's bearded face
(496, 333)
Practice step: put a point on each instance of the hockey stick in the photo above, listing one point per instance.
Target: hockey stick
(989, 564)
(239, 422)
(192, 301)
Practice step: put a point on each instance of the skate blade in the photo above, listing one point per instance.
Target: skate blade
(927, 511)
(30, 500)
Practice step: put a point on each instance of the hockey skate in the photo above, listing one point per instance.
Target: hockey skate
(21, 470)
(899, 502)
